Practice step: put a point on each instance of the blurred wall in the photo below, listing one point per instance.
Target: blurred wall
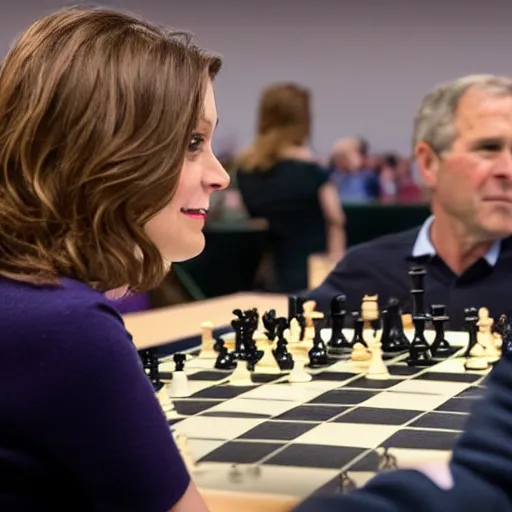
(368, 62)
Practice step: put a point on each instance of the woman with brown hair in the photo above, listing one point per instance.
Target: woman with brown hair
(106, 170)
(280, 182)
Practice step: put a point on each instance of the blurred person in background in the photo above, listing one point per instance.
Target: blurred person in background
(279, 181)
(354, 181)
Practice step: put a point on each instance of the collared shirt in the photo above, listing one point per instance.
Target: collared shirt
(423, 245)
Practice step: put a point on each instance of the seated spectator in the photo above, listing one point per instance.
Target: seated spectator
(355, 183)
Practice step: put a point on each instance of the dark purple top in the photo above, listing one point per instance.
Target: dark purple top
(80, 426)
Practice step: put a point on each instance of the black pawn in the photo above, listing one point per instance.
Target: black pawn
(393, 335)
(440, 346)
(471, 320)
(318, 353)
(338, 343)
(358, 330)
(419, 350)
(283, 357)
(179, 362)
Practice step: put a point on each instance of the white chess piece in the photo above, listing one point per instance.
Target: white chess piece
(166, 403)
(179, 384)
(207, 342)
(299, 373)
(378, 369)
(241, 376)
(268, 363)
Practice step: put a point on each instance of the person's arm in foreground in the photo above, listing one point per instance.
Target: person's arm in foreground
(481, 467)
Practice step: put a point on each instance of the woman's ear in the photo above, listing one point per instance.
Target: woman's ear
(428, 163)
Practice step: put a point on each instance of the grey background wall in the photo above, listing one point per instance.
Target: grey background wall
(367, 62)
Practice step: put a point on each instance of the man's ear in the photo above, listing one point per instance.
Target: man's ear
(428, 162)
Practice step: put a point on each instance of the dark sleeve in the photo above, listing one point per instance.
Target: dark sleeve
(320, 175)
(97, 416)
(481, 466)
(353, 276)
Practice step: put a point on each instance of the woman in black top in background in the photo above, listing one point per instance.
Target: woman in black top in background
(279, 181)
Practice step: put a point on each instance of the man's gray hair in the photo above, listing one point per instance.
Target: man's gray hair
(434, 122)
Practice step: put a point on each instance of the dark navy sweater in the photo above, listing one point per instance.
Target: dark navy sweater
(380, 267)
(481, 466)
(80, 427)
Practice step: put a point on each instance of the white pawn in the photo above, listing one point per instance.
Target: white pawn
(179, 384)
(378, 369)
(299, 373)
(241, 376)
(166, 403)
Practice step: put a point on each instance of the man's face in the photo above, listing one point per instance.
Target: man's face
(472, 182)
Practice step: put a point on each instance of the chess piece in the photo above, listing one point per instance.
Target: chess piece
(419, 349)
(318, 353)
(393, 337)
(207, 341)
(338, 344)
(476, 351)
(241, 376)
(269, 322)
(345, 483)
(164, 398)
(225, 360)
(370, 315)
(360, 350)
(387, 461)
(283, 357)
(294, 307)
(309, 314)
(179, 384)
(299, 373)
(485, 337)
(267, 364)
(417, 275)
(378, 369)
(440, 346)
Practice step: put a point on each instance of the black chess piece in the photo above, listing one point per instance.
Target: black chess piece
(269, 322)
(318, 353)
(151, 366)
(345, 483)
(225, 360)
(471, 321)
(338, 344)
(294, 306)
(387, 461)
(283, 357)
(179, 362)
(417, 275)
(358, 330)
(419, 349)
(219, 343)
(393, 337)
(240, 326)
(440, 346)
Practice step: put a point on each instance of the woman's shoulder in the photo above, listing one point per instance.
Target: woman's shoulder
(53, 313)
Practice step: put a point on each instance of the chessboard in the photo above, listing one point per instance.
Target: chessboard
(335, 424)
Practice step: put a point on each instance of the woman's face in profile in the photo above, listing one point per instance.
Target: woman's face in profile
(177, 230)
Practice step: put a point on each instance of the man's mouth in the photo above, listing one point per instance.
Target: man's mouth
(195, 213)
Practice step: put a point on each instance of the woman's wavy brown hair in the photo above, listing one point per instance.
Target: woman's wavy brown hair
(97, 109)
(284, 120)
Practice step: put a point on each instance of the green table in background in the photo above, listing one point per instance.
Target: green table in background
(234, 249)
(368, 221)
